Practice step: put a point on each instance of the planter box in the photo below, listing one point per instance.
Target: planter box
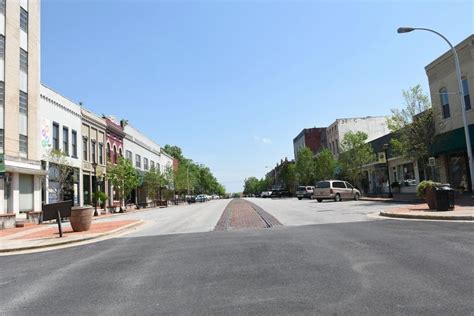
(34, 217)
(7, 221)
(81, 218)
(430, 198)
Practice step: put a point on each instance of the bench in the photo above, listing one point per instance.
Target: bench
(7, 221)
(159, 203)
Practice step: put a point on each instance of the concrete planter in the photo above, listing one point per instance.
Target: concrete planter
(430, 197)
(7, 221)
(34, 217)
(81, 218)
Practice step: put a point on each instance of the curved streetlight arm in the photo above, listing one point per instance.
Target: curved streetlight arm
(460, 93)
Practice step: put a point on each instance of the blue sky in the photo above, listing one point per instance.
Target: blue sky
(232, 83)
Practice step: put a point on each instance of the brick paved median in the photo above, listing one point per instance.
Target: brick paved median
(421, 211)
(241, 214)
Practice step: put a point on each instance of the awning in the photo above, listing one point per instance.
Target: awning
(452, 141)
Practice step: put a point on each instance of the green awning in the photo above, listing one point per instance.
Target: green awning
(452, 141)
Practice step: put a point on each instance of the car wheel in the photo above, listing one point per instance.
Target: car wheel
(319, 200)
(299, 198)
(356, 196)
(337, 198)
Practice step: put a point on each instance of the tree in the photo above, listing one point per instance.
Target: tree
(251, 185)
(60, 173)
(175, 152)
(288, 176)
(305, 168)
(124, 177)
(154, 182)
(325, 165)
(413, 127)
(355, 154)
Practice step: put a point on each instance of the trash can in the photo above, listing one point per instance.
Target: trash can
(444, 199)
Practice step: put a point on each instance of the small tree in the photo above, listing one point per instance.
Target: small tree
(325, 165)
(60, 173)
(413, 127)
(124, 178)
(355, 154)
(153, 181)
(305, 168)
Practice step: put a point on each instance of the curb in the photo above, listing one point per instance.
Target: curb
(433, 217)
(67, 242)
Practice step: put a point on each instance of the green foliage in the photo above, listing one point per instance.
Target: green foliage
(60, 172)
(413, 127)
(305, 167)
(154, 182)
(123, 176)
(355, 154)
(254, 186)
(101, 197)
(175, 152)
(325, 165)
(425, 185)
(288, 176)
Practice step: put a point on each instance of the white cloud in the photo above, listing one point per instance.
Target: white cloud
(264, 140)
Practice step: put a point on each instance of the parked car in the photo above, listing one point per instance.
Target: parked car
(280, 193)
(201, 198)
(305, 192)
(266, 194)
(336, 190)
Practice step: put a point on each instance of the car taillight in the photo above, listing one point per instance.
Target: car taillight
(331, 191)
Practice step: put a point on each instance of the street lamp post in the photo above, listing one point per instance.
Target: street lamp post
(94, 165)
(460, 93)
(385, 148)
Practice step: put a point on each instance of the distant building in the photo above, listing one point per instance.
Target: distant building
(450, 142)
(373, 126)
(313, 138)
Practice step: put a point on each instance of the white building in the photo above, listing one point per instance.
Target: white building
(60, 129)
(373, 126)
(144, 154)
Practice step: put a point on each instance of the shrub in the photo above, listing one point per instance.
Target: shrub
(424, 185)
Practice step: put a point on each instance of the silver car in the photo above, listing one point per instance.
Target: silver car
(336, 190)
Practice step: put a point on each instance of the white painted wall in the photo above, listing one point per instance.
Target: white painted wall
(56, 108)
(138, 143)
(23, 40)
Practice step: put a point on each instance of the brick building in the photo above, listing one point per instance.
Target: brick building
(313, 138)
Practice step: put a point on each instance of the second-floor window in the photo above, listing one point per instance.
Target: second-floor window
(443, 94)
(74, 143)
(65, 140)
(138, 161)
(55, 136)
(2, 46)
(93, 150)
(145, 163)
(85, 143)
(101, 153)
(152, 164)
(465, 88)
(108, 152)
(24, 20)
(128, 155)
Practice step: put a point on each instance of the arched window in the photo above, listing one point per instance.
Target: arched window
(108, 152)
(120, 152)
(443, 95)
(115, 155)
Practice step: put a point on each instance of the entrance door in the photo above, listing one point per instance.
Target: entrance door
(26, 192)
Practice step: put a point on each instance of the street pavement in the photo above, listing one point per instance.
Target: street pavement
(294, 212)
(375, 267)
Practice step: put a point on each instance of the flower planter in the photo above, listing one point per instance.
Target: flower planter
(430, 197)
(81, 218)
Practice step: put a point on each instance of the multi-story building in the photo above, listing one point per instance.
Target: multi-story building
(20, 183)
(114, 149)
(313, 138)
(60, 131)
(450, 142)
(373, 126)
(93, 132)
(144, 154)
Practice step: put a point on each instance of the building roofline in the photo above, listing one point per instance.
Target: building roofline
(447, 54)
(49, 88)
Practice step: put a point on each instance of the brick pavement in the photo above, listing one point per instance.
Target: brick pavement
(241, 214)
(421, 211)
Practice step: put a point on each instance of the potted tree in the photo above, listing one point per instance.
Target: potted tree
(426, 190)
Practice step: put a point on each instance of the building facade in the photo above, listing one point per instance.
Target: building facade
(313, 138)
(144, 154)
(113, 149)
(373, 126)
(20, 186)
(450, 143)
(93, 130)
(60, 131)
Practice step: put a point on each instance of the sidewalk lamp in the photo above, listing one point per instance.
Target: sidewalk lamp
(385, 148)
(460, 93)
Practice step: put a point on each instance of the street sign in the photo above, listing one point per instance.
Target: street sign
(431, 161)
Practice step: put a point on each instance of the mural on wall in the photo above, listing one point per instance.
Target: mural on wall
(45, 134)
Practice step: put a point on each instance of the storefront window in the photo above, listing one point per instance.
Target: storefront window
(458, 172)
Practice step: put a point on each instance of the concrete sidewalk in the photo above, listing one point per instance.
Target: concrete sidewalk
(421, 211)
(33, 236)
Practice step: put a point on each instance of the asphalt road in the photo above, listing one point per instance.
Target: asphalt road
(381, 267)
(294, 212)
